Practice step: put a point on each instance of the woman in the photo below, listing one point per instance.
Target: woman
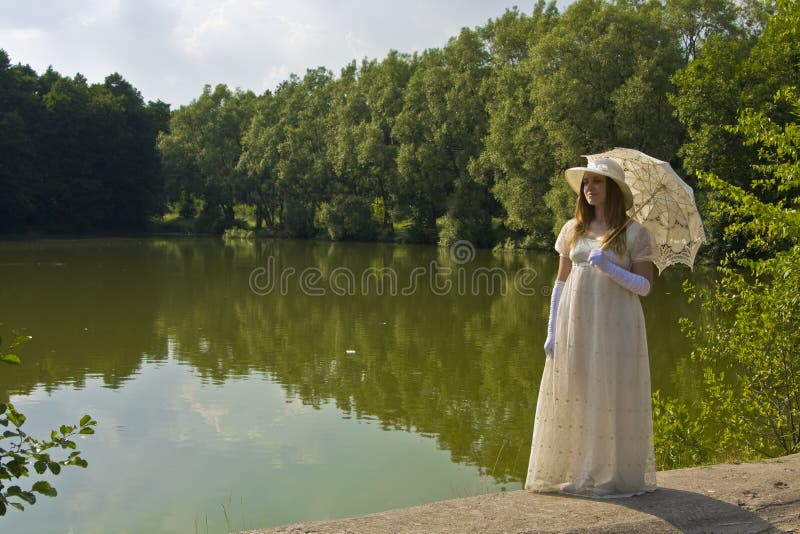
(593, 433)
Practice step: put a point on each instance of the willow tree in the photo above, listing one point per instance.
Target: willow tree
(304, 172)
(516, 161)
(348, 211)
(362, 148)
(201, 150)
(600, 77)
(440, 130)
(259, 158)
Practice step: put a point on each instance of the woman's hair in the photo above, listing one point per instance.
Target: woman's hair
(615, 215)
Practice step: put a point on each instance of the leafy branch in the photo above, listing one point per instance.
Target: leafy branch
(19, 451)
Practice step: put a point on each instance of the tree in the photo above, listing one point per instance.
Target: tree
(731, 73)
(20, 119)
(695, 20)
(470, 206)
(305, 173)
(440, 130)
(259, 158)
(593, 78)
(755, 307)
(201, 151)
(361, 147)
(347, 215)
(122, 125)
(516, 160)
(77, 157)
(23, 450)
(384, 85)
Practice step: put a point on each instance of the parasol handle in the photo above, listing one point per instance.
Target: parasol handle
(620, 229)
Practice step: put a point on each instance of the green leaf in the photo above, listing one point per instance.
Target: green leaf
(80, 462)
(40, 466)
(55, 467)
(44, 488)
(27, 496)
(16, 418)
(86, 419)
(10, 358)
(3, 407)
(9, 434)
(87, 430)
(16, 467)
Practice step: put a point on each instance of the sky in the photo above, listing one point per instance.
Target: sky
(170, 49)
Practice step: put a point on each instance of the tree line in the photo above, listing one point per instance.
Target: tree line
(468, 141)
(77, 157)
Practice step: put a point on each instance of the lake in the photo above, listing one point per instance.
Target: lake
(244, 384)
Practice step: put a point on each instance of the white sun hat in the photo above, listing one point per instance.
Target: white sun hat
(604, 167)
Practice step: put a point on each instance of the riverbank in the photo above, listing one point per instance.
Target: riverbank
(730, 498)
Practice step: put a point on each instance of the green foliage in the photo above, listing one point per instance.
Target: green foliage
(468, 216)
(752, 329)
(297, 218)
(19, 451)
(729, 75)
(440, 130)
(560, 199)
(755, 399)
(346, 217)
(678, 435)
(76, 157)
(739, 102)
(202, 148)
(187, 208)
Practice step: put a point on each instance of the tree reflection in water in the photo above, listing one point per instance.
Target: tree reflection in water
(462, 366)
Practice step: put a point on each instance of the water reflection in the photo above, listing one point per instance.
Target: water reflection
(461, 366)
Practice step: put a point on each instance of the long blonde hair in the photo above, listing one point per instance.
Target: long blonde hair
(615, 214)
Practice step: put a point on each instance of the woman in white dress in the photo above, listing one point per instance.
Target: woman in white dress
(593, 432)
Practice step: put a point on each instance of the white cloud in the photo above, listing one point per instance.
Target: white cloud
(96, 13)
(276, 74)
(25, 34)
(358, 47)
(169, 49)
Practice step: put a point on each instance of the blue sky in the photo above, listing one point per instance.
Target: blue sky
(169, 49)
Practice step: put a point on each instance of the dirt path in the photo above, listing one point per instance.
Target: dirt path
(724, 498)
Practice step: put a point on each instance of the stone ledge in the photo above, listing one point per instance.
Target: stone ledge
(727, 498)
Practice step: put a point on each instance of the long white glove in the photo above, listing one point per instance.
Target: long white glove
(631, 281)
(555, 298)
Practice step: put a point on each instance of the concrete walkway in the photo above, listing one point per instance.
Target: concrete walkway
(724, 498)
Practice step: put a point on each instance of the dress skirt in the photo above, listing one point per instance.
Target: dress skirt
(593, 432)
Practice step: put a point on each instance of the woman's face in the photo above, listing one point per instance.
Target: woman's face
(594, 189)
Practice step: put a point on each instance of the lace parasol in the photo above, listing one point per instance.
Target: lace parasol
(663, 203)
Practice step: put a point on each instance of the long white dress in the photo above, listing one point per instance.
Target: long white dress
(593, 432)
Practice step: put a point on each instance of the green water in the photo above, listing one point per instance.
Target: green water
(247, 384)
